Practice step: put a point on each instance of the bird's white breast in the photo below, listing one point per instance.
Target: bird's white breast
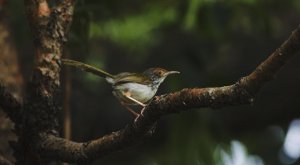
(140, 92)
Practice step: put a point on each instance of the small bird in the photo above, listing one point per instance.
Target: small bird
(129, 88)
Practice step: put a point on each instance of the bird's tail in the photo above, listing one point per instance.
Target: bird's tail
(87, 68)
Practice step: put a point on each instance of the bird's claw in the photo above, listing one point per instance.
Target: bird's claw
(141, 114)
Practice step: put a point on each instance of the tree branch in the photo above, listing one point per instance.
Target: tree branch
(241, 92)
(9, 104)
(4, 161)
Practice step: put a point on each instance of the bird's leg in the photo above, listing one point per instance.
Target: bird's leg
(142, 111)
(127, 95)
(138, 102)
(130, 110)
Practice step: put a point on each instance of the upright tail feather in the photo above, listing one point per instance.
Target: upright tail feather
(87, 68)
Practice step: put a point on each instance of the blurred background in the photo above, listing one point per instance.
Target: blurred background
(211, 42)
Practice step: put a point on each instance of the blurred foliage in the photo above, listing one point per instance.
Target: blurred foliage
(133, 32)
(212, 43)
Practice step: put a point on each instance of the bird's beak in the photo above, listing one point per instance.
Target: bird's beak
(171, 72)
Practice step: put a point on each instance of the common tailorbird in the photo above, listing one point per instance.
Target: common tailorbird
(129, 88)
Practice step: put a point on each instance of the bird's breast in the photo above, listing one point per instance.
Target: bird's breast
(140, 92)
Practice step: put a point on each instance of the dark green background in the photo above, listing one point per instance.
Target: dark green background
(211, 42)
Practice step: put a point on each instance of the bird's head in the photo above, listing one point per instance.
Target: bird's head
(158, 75)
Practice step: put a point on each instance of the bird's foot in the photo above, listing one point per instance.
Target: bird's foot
(140, 115)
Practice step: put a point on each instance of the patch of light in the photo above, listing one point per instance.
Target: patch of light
(238, 156)
(291, 146)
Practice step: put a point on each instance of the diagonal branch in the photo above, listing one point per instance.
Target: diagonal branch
(241, 92)
(10, 105)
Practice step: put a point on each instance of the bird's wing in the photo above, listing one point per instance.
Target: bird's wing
(131, 77)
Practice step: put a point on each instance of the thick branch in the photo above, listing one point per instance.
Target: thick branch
(49, 28)
(242, 92)
(41, 108)
(10, 105)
